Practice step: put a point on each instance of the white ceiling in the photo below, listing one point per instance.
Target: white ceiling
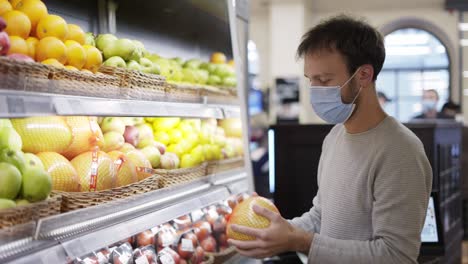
(353, 5)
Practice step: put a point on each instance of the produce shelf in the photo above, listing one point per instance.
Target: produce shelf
(79, 232)
(24, 104)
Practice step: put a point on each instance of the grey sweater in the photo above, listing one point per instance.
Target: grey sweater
(373, 193)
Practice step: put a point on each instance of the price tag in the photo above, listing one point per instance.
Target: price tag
(155, 230)
(187, 245)
(124, 258)
(101, 257)
(166, 258)
(142, 260)
(166, 239)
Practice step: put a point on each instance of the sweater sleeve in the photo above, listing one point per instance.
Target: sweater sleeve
(401, 189)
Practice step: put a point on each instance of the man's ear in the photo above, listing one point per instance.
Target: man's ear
(365, 75)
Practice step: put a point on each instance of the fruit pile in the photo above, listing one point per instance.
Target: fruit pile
(84, 154)
(183, 240)
(23, 179)
(32, 34)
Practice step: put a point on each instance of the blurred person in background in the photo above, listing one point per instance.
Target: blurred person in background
(430, 99)
(449, 110)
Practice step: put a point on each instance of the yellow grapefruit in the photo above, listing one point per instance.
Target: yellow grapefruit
(18, 23)
(64, 176)
(34, 9)
(125, 170)
(105, 176)
(76, 55)
(51, 48)
(52, 26)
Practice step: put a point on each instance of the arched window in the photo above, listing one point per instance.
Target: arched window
(416, 60)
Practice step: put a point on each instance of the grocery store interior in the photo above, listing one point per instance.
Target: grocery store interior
(136, 131)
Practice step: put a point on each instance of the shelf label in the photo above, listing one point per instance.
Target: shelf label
(142, 260)
(187, 245)
(16, 105)
(166, 258)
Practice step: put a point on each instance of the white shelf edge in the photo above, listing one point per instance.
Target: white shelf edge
(24, 104)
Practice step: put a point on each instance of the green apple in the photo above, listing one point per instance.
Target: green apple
(36, 185)
(146, 65)
(210, 67)
(198, 153)
(115, 61)
(230, 82)
(145, 131)
(202, 76)
(123, 48)
(89, 39)
(22, 202)
(113, 141)
(162, 136)
(5, 122)
(224, 70)
(192, 64)
(133, 65)
(105, 40)
(178, 60)
(137, 54)
(9, 138)
(14, 157)
(138, 120)
(177, 75)
(33, 161)
(152, 154)
(127, 147)
(113, 124)
(189, 75)
(10, 181)
(177, 149)
(156, 68)
(7, 203)
(169, 161)
(145, 142)
(153, 57)
(214, 80)
(189, 161)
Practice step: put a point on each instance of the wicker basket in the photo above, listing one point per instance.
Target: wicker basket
(215, 94)
(137, 85)
(25, 76)
(179, 176)
(30, 212)
(179, 92)
(224, 165)
(208, 259)
(223, 256)
(77, 200)
(85, 84)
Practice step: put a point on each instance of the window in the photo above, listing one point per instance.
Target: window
(416, 61)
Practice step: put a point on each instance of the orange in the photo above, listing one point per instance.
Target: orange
(76, 33)
(5, 6)
(218, 58)
(34, 9)
(32, 43)
(18, 45)
(93, 58)
(76, 55)
(14, 3)
(231, 63)
(52, 62)
(71, 68)
(52, 26)
(18, 23)
(51, 48)
(243, 214)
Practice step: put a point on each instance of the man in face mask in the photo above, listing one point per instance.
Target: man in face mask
(374, 177)
(430, 99)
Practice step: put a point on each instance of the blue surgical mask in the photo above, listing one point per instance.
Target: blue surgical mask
(429, 105)
(327, 103)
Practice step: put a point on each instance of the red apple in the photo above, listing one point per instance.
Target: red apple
(147, 252)
(167, 254)
(4, 42)
(211, 215)
(132, 135)
(166, 237)
(19, 57)
(187, 245)
(209, 244)
(223, 209)
(232, 202)
(145, 238)
(219, 226)
(183, 261)
(183, 222)
(202, 229)
(197, 257)
(2, 24)
(222, 240)
(161, 147)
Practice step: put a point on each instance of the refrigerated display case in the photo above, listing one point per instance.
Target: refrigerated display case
(187, 29)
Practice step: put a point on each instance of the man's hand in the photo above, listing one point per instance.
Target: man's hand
(279, 237)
